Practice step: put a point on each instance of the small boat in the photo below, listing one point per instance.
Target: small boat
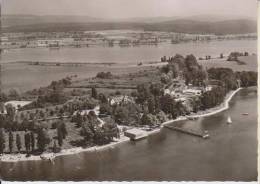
(139, 64)
(245, 114)
(206, 136)
(229, 121)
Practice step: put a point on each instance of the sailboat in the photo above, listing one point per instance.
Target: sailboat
(229, 121)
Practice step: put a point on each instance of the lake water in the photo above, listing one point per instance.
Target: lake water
(129, 54)
(24, 77)
(230, 154)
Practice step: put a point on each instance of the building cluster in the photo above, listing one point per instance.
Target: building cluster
(185, 93)
(15, 104)
(121, 99)
(104, 38)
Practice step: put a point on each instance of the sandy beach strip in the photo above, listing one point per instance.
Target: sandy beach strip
(51, 156)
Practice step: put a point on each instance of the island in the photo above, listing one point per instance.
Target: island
(73, 115)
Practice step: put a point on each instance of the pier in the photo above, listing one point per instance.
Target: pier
(135, 134)
(203, 135)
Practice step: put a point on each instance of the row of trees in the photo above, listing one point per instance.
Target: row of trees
(33, 139)
(233, 56)
(30, 141)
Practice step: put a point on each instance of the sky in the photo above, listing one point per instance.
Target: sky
(120, 9)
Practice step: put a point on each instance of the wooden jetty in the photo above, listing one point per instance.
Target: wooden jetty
(203, 135)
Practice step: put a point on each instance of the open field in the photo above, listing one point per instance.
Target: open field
(251, 63)
(125, 83)
(31, 76)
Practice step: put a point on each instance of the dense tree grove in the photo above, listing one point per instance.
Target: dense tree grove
(233, 56)
(94, 132)
(247, 78)
(188, 68)
(225, 75)
(231, 79)
(104, 75)
(212, 98)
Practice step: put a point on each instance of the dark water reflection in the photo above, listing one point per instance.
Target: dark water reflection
(229, 154)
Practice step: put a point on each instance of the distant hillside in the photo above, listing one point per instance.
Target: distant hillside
(29, 23)
(23, 20)
(219, 27)
(65, 27)
(199, 17)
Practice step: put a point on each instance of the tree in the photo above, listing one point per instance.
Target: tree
(18, 142)
(165, 79)
(24, 124)
(42, 114)
(2, 121)
(156, 89)
(94, 93)
(42, 139)
(3, 97)
(149, 119)
(151, 105)
(27, 141)
(11, 141)
(61, 132)
(99, 137)
(86, 132)
(102, 98)
(13, 94)
(143, 94)
(121, 114)
(32, 138)
(78, 119)
(167, 103)
(105, 109)
(55, 148)
(111, 130)
(60, 137)
(161, 117)
(10, 111)
(2, 141)
(64, 130)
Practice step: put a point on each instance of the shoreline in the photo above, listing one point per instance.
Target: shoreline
(50, 156)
